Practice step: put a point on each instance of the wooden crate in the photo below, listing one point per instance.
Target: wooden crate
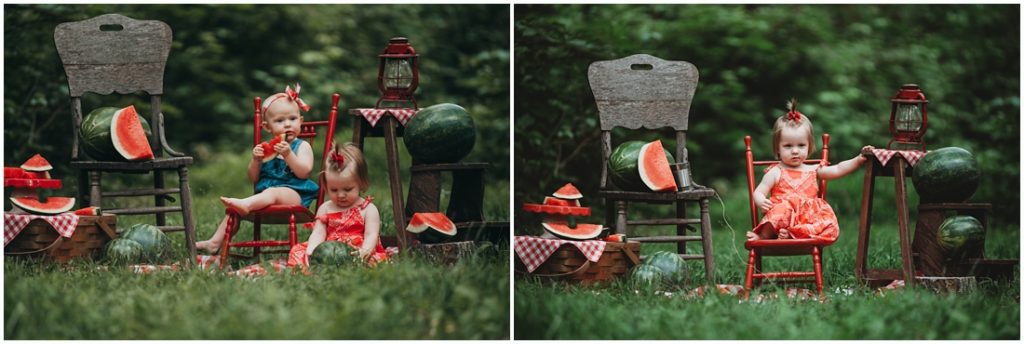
(39, 239)
(568, 264)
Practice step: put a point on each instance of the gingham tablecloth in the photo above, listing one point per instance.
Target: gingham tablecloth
(65, 224)
(534, 251)
(911, 156)
(373, 115)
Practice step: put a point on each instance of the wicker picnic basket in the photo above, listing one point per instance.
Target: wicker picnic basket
(568, 264)
(39, 239)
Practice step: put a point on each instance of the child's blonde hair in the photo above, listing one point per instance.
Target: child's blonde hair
(794, 120)
(290, 96)
(347, 161)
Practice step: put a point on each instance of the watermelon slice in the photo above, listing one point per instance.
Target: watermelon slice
(268, 147)
(568, 191)
(128, 136)
(561, 202)
(583, 231)
(654, 168)
(88, 211)
(615, 238)
(431, 227)
(36, 164)
(14, 173)
(53, 205)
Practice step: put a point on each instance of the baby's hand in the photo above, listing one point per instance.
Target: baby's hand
(364, 253)
(283, 149)
(258, 153)
(765, 204)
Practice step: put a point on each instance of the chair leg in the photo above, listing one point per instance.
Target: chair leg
(758, 267)
(158, 199)
(257, 224)
(705, 238)
(620, 217)
(681, 229)
(229, 230)
(186, 211)
(749, 281)
(95, 199)
(816, 253)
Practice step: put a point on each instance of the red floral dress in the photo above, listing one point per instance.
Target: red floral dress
(797, 208)
(345, 226)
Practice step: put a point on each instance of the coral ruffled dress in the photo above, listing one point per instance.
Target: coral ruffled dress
(345, 226)
(797, 208)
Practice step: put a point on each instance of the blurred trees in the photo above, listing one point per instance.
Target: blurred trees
(223, 55)
(842, 62)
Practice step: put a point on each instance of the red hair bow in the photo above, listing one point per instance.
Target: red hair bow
(793, 115)
(339, 158)
(294, 96)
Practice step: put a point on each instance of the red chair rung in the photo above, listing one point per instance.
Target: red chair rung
(262, 243)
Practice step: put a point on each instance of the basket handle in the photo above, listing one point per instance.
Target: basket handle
(106, 228)
(55, 243)
(632, 256)
(583, 267)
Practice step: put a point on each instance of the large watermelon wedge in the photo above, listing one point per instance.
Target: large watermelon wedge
(52, 206)
(949, 174)
(95, 131)
(652, 164)
(568, 191)
(431, 227)
(36, 164)
(441, 133)
(623, 170)
(128, 137)
(583, 231)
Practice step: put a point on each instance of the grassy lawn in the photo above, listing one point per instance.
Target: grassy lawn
(622, 310)
(408, 299)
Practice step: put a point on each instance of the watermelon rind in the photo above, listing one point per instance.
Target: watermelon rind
(946, 175)
(88, 211)
(155, 244)
(442, 133)
(623, 171)
(672, 266)
(432, 227)
(651, 151)
(568, 191)
(647, 275)
(134, 146)
(52, 206)
(94, 134)
(332, 253)
(123, 251)
(957, 234)
(36, 164)
(586, 231)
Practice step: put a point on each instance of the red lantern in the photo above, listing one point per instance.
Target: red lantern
(398, 74)
(909, 118)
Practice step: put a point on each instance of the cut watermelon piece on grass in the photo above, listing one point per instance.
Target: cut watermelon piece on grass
(561, 202)
(583, 231)
(268, 147)
(568, 191)
(654, 169)
(36, 164)
(52, 206)
(88, 211)
(128, 136)
(431, 227)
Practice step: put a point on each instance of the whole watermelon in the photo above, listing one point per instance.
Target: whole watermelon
(958, 234)
(95, 134)
(947, 174)
(648, 275)
(155, 244)
(442, 133)
(123, 251)
(332, 253)
(672, 267)
(623, 170)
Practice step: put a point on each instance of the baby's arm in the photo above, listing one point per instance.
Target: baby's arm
(254, 164)
(371, 218)
(301, 162)
(762, 191)
(843, 168)
(319, 231)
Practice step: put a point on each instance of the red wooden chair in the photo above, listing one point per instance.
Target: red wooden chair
(785, 247)
(278, 214)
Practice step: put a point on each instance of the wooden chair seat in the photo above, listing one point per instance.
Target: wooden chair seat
(169, 163)
(696, 194)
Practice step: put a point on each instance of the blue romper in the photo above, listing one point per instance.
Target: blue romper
(275, 173)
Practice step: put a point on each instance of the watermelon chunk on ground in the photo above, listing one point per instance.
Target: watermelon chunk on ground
(654, 168)
(128, 136)
(431, 227)
(36, 164)
(583, 231)
(52, 206)
(568, 191)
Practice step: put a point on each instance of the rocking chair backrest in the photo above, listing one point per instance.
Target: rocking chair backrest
(642, 91)
(752, 177)
(308, 130)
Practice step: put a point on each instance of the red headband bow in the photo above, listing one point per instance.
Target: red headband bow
(294, 96)
(793, 114)
(339, 158)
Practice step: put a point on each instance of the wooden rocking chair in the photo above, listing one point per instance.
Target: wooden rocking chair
(786, 247)
(94, 58)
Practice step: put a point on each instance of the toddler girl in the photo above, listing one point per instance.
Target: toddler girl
(793, 209)
(283, 180)
(346, 216)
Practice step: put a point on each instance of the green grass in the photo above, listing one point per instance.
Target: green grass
(408, 299)
(622, 310)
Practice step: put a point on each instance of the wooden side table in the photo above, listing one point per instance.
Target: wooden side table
(897, 167)
(389, 128)
(465, 205)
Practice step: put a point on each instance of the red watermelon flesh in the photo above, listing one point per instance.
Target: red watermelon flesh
(431, 227)
(583, 231)
(268, 147)
(36, 164)
(654, 168)
(14, 173)
(568, 191)
(53, 205)
(89, 211)
(561, 202)
(128, 136)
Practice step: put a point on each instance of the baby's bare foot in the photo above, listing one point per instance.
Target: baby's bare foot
(236, 205)
(208, 246)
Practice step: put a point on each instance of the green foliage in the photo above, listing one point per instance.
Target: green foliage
(843, 62)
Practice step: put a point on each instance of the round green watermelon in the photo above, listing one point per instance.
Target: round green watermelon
(123, 251)
(332, 253)
(623, 170)
(946, 175)
(648, 275)
(155, 244)
(672, 267)
(958, 233)
(95, 135)
(442, 133)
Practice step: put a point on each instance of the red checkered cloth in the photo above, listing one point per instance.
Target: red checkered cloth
(65, 224)
(534, 251)
(374, 115)
(911, 156)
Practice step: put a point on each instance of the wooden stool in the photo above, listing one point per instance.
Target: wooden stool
(929, 256)
(897, 168)
(388, 128)
(465, 207)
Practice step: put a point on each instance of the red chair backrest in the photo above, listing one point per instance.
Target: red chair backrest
(308, 130)
(751, 177)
